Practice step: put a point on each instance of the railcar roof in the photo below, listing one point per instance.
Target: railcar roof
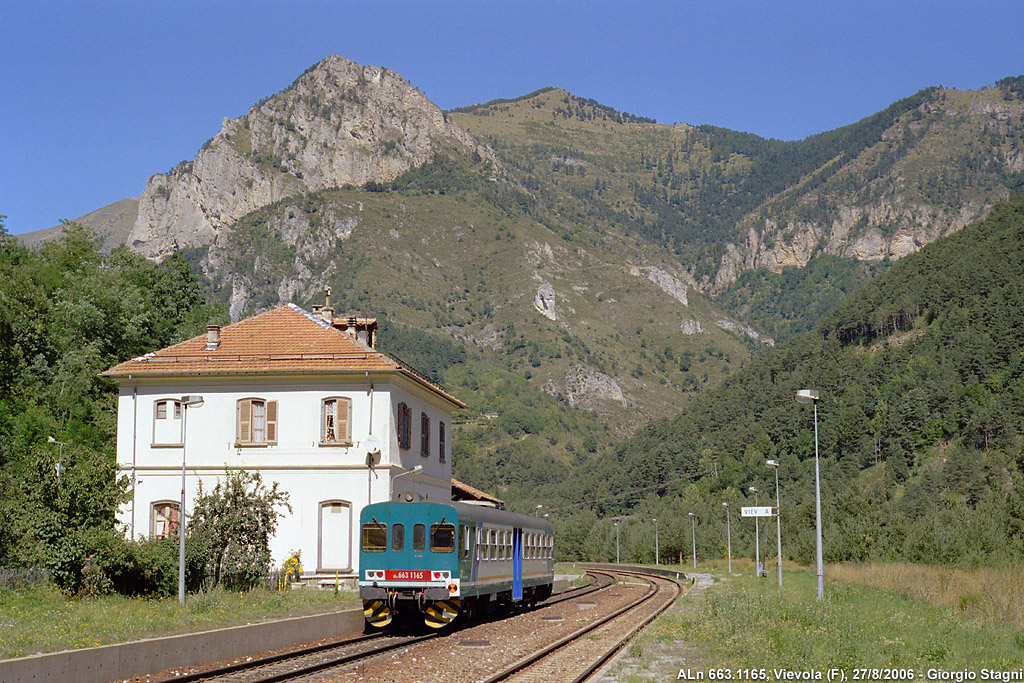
(469, 512)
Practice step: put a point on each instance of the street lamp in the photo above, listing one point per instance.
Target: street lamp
(414, 470)
(656, 553)
(728, 534)
(811, 396)
(60, 455)
(774, 464)
(693, 528)
(757, 536)
(616, 541)
(193, 401)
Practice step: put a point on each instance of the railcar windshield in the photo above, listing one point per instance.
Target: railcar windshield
(419, 538)
(375, 537)
(398, 538)
(442, 538)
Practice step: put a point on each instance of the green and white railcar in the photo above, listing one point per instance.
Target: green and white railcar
(443, 559)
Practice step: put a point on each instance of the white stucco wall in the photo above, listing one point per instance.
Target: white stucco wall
(312, 474)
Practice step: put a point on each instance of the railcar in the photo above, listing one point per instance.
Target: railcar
(439, 560)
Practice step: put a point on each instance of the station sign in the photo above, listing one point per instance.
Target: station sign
(757, 512)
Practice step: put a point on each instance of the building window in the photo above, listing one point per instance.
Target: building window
(257, 422)
(167, 422)
(441, 440)
(424, 435)
(164, 519)
(404, 426)
(336, 421)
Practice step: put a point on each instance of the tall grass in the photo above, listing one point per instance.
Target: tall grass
(750, 623)
(42, 619)
(995, 595)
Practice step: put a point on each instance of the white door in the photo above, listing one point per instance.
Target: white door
(335, 535)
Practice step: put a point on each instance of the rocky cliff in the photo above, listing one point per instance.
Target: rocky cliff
(339, 123)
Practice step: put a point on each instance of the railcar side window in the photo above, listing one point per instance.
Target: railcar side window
(419, 538)
(492, 542)
(375, 537)
(442, 538)
(398, 538)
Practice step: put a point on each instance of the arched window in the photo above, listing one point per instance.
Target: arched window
(336, 421)
(257, 422)
(167, 422)
(163, 519)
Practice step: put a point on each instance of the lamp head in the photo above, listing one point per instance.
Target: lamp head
(192, 400)
(690, 513)
(807, 396)
(753, 489)
(725, 505)
(774, 464)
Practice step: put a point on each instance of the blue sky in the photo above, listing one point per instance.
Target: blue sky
(98, 96)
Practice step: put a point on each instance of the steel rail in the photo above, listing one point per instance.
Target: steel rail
(575, 636)
(301, 652)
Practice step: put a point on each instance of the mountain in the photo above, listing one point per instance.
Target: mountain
(111, 224)
(921, 416)
(339, 123)
(725, 202)
(585, 264)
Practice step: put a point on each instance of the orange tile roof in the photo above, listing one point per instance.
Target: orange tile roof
(286, 339)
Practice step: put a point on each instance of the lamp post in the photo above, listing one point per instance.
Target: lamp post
(191, 401)
(811, 396)
(60, 455)
(757, 536)
(414, 470)
(656, 553)
(693, 529)
(774, 464)
(616, 541)
(728, 534)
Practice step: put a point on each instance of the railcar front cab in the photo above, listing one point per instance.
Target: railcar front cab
(409, 562)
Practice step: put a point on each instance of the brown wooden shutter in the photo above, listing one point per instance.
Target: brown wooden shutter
(244, 434)
(404, 418)
(271, 421)
(343, 420)
(440, 440)
(424, 435)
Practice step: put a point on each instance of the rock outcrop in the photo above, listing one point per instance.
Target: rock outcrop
(339, 123)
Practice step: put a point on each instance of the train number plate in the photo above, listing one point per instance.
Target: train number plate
(407, 575)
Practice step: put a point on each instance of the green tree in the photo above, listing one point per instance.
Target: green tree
(231, 528)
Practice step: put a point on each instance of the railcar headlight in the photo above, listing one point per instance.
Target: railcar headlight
(374, 575)
(440, 576)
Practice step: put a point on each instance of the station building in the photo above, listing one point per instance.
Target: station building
(303, 398)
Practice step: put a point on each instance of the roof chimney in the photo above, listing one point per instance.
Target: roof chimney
(212, 337)
(362, 329)
(326, 311)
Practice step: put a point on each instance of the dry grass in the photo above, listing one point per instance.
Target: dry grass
(995, 595)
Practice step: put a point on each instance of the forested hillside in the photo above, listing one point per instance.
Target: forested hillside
(67, 312)
(921, 374)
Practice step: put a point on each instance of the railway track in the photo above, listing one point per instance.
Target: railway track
(302, 663)
(579, 655)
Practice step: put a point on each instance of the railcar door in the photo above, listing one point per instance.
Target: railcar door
(517, 564)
